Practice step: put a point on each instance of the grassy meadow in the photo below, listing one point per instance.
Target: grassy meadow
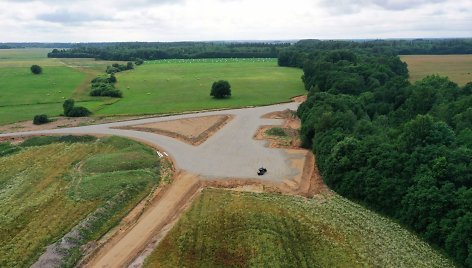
(24, 95)
(49, 184)
(171, 86)
(157, 87)
(234, 229)
(457, 67)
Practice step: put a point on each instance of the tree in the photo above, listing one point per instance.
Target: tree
(68, 105)
(129, 65)
(40, 119)
(220, 89)
(36, 69)
(72, 111)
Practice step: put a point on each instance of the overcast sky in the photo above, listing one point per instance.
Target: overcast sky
(178, 20)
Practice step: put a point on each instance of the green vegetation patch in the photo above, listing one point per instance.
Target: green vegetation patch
(229, 229)
(45, 140)
(276, 131)
(45, 193)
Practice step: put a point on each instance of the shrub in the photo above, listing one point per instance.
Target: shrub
(68, 105)
(112, 79)
(40, 119)
(138, 62)
(79, 112)
(71, 110)
(276, 131)
(220, 89)
(36, 69)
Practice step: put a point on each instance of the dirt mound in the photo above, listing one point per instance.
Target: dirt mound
(194, 130)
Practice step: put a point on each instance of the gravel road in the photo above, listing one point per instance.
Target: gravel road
(230, 153)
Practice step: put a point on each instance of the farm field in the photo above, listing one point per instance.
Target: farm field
(50, 184)
(157, 87)
(457, 67)
(171, 86)
(24, 95)
(234, 229)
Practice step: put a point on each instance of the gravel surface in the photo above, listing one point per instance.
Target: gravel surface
(230, 153)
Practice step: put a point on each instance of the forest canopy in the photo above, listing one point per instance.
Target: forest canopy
(402, 149)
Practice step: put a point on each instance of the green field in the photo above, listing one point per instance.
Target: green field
(233, 229)
(178, 86)
(157, 87)
(457, 67)
(49, 184)
(24, 95)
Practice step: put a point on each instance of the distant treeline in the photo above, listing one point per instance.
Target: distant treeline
(296, 54)
(176, 50)
(288, 53)
(36, 45)
(402, 149)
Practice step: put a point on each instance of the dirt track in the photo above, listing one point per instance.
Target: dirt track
(122, 249)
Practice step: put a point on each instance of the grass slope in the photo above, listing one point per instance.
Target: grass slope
(178, 86)
(230, 229)
(457, 67)
(51, 184)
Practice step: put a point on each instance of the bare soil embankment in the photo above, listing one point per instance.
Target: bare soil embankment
(194, 131)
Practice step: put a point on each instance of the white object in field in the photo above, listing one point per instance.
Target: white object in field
(159, 154)
(166, 154)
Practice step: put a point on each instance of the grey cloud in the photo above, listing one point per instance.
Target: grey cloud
(349, 7)
(64, 16)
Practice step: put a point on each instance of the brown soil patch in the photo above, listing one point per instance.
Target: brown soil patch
(290, 126)
(299, 99)
(194, 131)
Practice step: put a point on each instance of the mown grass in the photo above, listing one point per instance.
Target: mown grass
(45, 192)
(157, 87)
(176, 86)
(231, 229)
(24, 95)
(457, 67)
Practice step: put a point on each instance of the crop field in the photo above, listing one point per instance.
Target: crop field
(457, 67)
(170, 86)
(233, 229)
(49, 184)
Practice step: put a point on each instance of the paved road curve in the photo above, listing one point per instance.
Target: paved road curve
(230, 153)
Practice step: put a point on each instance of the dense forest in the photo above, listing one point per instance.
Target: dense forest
(401, 149)
(300, 51)
(296, 53)
(175, 50)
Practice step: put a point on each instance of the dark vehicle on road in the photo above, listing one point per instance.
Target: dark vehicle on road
(261, 171)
